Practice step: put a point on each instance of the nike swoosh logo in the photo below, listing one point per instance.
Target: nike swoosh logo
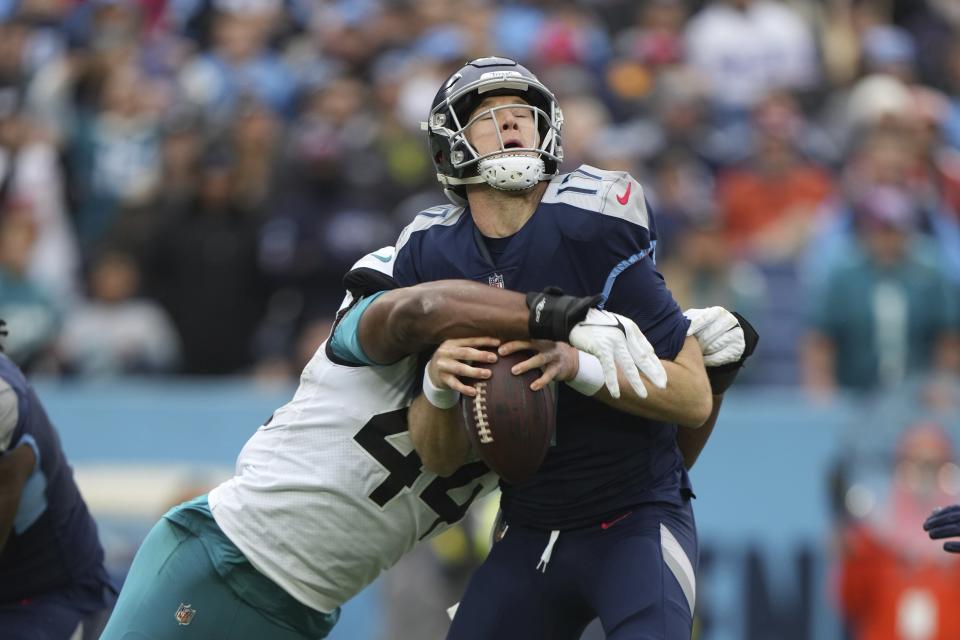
(381, 258)
(626, 194)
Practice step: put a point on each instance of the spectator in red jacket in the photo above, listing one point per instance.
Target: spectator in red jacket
(894, 582)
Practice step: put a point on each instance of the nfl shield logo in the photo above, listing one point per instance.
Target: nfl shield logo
(496, 280)
(184, 614)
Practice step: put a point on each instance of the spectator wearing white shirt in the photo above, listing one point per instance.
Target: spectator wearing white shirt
(746, 48)
(115, 331)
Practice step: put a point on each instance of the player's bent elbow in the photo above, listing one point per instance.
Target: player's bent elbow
(700, 404)
(405, 321)
(697, 413)
(412, 318)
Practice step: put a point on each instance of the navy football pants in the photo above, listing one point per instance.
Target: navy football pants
(58, 616)
(636, 573)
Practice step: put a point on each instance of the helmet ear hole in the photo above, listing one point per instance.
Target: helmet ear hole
(438, 158)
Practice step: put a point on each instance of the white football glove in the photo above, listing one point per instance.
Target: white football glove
(616, 340)
(719, 334)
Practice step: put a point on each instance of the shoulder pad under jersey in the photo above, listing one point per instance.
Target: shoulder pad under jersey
(611, 193)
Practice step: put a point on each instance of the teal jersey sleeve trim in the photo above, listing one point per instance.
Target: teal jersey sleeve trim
(345, 341)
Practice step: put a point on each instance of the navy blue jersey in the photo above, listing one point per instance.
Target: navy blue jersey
(592, 233)
(53, 544)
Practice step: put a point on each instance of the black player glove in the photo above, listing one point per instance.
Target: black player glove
(726, 340)
(945, 523)
(554, 314)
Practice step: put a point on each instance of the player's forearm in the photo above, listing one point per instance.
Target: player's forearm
(686, 400)
(438, 436)
(692, 441)
(408, 320)
(463, 309)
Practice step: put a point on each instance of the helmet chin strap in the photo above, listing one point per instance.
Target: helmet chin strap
(512, 172)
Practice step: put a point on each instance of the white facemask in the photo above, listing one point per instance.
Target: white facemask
(512, 172)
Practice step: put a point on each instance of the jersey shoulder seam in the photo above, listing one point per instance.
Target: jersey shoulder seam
(441, 215)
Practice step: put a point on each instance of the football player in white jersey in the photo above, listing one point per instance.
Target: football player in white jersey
(330, 491)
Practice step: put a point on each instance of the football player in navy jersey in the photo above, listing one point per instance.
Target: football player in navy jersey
(605, 528)
(53, 584)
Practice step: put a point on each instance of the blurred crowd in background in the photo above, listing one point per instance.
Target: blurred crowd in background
(184, 182)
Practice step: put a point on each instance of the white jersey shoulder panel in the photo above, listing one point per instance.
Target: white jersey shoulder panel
(611, 193)
(381, 260)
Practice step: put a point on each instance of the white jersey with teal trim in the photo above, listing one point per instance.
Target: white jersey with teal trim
(330, 492)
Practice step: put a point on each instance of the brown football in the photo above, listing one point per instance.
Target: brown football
(509, 425)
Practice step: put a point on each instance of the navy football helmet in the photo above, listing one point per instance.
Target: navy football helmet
(455, 159)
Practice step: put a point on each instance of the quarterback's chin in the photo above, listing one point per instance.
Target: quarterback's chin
(515, 192)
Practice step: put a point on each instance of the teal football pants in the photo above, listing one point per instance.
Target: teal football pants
(174, 591)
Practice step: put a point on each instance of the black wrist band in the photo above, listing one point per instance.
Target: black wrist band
(554, 314)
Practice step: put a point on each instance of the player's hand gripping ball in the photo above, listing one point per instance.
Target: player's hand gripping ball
(510, 426)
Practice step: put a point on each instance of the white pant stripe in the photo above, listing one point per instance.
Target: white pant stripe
(679, 565)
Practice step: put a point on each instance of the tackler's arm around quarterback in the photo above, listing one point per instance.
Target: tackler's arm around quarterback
(412, 319)
(726, 341)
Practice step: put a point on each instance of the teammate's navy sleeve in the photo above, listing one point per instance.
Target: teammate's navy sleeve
(53, 545)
